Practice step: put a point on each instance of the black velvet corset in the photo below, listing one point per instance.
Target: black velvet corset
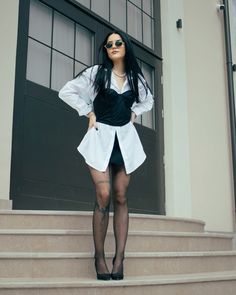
(113, 108)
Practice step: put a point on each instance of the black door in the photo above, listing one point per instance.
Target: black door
(47, 171)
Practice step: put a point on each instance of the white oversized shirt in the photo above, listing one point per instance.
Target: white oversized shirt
(96, 146)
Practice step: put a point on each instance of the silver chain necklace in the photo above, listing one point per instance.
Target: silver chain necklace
(118, 75)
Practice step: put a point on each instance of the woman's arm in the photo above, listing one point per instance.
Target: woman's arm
(79, 92)
(145, 103)
(92, 120)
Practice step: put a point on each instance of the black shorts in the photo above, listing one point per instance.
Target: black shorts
(116, 156)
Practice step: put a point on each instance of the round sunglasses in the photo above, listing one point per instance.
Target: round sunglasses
(118, 43)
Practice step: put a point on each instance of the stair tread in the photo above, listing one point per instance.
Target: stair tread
(90, 213)
(63, 255)
(131, 232)
(128, 281)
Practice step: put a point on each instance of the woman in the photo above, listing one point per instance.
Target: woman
(111, 95)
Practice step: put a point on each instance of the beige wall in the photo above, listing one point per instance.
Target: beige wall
(8, 37)
(211, 168)
(203, 75)
(177, 166)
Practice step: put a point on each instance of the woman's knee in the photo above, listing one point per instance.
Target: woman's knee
(120, 197)
(103, 196)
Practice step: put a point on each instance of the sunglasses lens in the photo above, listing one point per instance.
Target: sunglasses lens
(118, 43)
(108, 45)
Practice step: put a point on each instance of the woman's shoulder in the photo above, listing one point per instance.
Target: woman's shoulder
(88, 73)
(91, 70)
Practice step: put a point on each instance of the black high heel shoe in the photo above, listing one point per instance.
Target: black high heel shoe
(117, 276)
(102, 276)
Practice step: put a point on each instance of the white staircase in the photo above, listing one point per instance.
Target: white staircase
(51, 252)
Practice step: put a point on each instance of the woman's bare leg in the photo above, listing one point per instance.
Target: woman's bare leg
(100, 216)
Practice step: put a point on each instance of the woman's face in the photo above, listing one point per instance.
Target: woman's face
(115, 52)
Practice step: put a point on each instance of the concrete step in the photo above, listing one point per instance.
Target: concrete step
(195, 284)
(81, 265)
(82, 241)
(25, 219)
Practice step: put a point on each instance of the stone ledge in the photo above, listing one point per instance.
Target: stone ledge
(14, 283)
(89, 213)
(75, 232)
(89, 255)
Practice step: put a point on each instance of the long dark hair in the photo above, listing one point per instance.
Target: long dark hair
(132, 69)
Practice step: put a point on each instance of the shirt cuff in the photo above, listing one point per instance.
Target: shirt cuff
(136, 110)
(85, 111)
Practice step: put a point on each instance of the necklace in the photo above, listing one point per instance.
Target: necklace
(118, 75)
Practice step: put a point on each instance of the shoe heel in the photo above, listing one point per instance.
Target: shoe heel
(120, 274)
(102, 276)
(117, 276)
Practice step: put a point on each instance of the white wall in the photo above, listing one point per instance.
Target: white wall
(197, 135)
(8, 37)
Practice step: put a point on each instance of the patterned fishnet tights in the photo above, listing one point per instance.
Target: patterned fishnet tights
(120, 182)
